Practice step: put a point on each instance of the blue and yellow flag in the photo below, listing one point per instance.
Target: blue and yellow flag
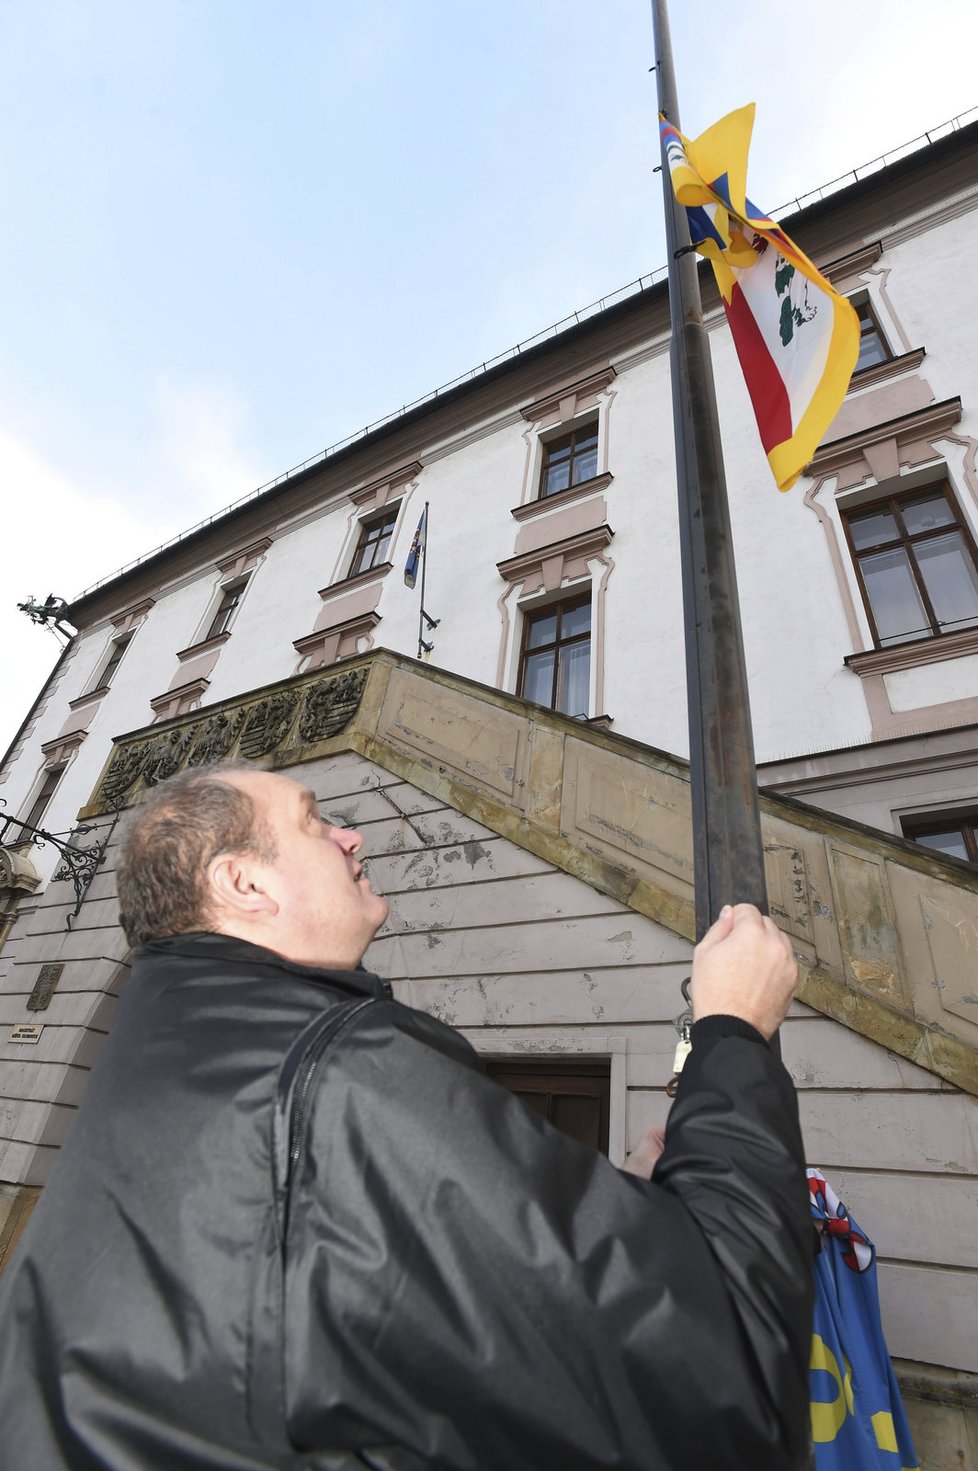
(858, 1423)
(797, 339)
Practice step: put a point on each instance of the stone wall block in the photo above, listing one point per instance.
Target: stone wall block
(631, 813)
(929, 1133)
(867, 924)
(458, 736)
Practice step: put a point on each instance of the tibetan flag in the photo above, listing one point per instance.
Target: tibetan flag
(858, 1420)
(797, 338)
(417, 550)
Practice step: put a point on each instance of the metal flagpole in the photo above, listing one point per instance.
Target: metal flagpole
(424, 618)
(728, 852)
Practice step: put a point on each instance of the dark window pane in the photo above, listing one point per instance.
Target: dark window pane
(586, 465)
(557, 640)
(926, 513)
(572, 679)
(576, 620)
(872, 529)
(543, 630)
(538, 678)
(113, 662)
(950, 579)
(225, 611)
(926, 580)
(893, 596)
(375, 539)
(951, 844)
(40, 803)
(570, 460)
(872, 348)
(558, 478)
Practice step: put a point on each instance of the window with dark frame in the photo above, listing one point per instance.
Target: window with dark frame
(872, 344)
(573, 1096)
(955, 836)
(104, 678)
(555, 658)
(230, 598)
(917, 565)
(570, 460)
(13, 834)
(374, 542)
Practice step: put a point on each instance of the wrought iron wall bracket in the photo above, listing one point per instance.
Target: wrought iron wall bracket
(80, 865)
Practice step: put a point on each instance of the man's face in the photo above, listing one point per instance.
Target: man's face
(327, 912)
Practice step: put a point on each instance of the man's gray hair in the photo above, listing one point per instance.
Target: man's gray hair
(188, 821)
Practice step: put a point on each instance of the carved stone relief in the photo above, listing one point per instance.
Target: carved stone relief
(257, 728)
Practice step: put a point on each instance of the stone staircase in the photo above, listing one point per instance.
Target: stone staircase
(885, 931)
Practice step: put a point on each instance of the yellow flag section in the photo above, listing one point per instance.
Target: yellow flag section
(797, 339)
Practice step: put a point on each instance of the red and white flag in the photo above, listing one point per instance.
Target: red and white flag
(797, 339)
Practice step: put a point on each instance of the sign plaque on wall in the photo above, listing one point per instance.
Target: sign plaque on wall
(47, 979)
(26, 1032)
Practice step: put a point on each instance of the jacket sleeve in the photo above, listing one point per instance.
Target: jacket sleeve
(466, 1287)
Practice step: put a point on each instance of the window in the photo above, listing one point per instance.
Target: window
(955, 837)
(570, 460)
(573, 1096)
(45, 792)
(916, 564)
(374, 542)
(224, 616)
(116, 650)
(872, 344)
(13, 833)
(555, 662)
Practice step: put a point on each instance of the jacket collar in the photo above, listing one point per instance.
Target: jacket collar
(229, 950)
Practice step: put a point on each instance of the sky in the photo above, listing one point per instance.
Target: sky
(235, 231)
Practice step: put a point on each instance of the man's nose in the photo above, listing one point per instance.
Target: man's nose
(347, 838)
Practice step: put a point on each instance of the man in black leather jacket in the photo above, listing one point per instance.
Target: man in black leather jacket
(295, 1226)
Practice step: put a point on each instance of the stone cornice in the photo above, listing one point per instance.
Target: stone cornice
(585, 544)
(366, 494)
(933, 650)
(135, 614)
(541, 504)
(90, 697)
(236, 562)
(311, 641)
(853, 264)
(203, 647)
(360, 579)
(194, 689)
(62, 746)
(928, 423)
(584, 387)
(889, 368)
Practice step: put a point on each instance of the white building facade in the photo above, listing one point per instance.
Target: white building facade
(551, 485)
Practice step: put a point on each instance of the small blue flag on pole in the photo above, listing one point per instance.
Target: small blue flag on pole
(417, 551)
(858, 1420)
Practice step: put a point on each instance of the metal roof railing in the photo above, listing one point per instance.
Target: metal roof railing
(934, 135)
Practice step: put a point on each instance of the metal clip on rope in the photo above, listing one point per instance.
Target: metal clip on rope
(684, 1026)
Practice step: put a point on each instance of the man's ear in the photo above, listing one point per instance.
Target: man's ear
(238, 888)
